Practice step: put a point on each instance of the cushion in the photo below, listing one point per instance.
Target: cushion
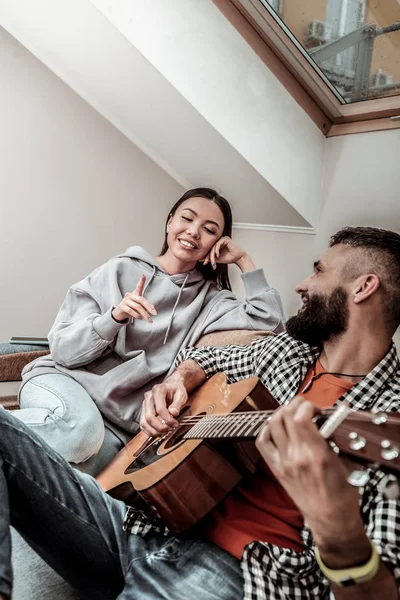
(12, 362)
(238, 337)
(13, 358)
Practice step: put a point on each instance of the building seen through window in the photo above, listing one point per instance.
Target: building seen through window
(355, 44)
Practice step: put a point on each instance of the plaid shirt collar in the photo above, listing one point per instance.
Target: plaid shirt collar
(283, 376)
(365, 394)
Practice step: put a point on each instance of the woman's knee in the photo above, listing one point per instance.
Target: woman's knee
(61, 411)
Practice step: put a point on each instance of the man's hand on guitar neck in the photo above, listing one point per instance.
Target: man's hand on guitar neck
(163, 403)
(316, 480)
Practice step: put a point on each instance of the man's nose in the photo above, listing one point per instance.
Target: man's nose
(302, 287)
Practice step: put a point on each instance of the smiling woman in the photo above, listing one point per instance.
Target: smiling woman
(119, 329)
(205, 228)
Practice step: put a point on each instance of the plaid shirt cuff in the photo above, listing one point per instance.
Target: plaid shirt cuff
(203, 356)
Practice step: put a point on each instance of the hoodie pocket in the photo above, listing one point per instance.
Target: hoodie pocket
(104, 364)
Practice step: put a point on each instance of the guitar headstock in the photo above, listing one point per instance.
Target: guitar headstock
(369, 437)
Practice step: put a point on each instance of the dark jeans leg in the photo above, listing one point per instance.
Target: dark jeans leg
(63, 514)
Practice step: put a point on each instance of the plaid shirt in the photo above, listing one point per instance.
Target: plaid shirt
(281, 363)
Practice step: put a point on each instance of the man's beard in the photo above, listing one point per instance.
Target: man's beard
(322, 320)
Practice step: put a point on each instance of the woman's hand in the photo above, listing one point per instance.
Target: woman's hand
(134, 305)
(225, 252)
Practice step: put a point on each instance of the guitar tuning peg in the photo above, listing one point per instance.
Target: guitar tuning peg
(358, 478)
(389, 450)
(334, 447)
(357, 442)
(379, 418)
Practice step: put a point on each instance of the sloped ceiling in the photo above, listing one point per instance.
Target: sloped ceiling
(206, 122)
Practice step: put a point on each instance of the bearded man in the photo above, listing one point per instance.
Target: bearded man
(299, 507)
(296, 529)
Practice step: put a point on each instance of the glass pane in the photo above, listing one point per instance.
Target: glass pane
(355, 43)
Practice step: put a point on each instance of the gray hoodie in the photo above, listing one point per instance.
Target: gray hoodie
(118, 362)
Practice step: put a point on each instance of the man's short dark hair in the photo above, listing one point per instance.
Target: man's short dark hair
(381, 253)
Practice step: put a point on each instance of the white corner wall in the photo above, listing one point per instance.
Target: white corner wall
(202, 55)
(361, 186)
(74, 192)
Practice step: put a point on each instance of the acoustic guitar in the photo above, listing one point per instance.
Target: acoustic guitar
(185, 474)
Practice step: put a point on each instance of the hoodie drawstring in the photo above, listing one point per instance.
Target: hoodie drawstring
(173, 310)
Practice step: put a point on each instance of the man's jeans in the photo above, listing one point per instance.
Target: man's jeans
(77, 529)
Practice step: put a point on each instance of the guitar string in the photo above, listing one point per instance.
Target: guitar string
(354, 415)
(371, 437)
(345, 426)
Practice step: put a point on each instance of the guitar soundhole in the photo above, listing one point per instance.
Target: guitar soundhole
(178, 436)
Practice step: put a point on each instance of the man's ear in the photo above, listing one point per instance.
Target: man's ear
(365, 286)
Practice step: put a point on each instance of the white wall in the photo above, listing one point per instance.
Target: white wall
(361, 184)
(80, 45)
(285, 258)
(73, 192)
(361, 187)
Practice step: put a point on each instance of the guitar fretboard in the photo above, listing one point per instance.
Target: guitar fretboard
(233, 425)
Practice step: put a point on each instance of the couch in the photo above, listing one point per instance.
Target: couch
(33, 578)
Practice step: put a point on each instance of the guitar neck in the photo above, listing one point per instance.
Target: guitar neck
(233, 425)
(367, 436)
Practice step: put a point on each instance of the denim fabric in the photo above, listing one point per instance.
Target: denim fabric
(61, 411)
(62, 513)
(66, 517)
(175, 569)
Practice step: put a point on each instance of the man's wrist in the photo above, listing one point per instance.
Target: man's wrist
(357, 573)
(189, 374)
(345, 553)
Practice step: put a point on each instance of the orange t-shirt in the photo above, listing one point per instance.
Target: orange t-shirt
(259, 508)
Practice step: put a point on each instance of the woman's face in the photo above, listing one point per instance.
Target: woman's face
(193, 230)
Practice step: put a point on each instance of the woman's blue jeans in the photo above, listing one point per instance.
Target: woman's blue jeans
(77, 528)
(61, 411)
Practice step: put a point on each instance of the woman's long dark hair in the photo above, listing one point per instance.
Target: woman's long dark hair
(220, 274)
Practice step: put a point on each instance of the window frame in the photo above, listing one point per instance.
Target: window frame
(307, 84)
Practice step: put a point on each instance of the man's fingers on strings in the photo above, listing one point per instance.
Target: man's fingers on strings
(149, 420)
(178, 402)
(277, 431)
(267, 448)
(300, 423)
(163, 413)
(161, 396)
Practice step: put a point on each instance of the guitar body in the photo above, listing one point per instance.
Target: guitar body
(184, 475)
(185, 479)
